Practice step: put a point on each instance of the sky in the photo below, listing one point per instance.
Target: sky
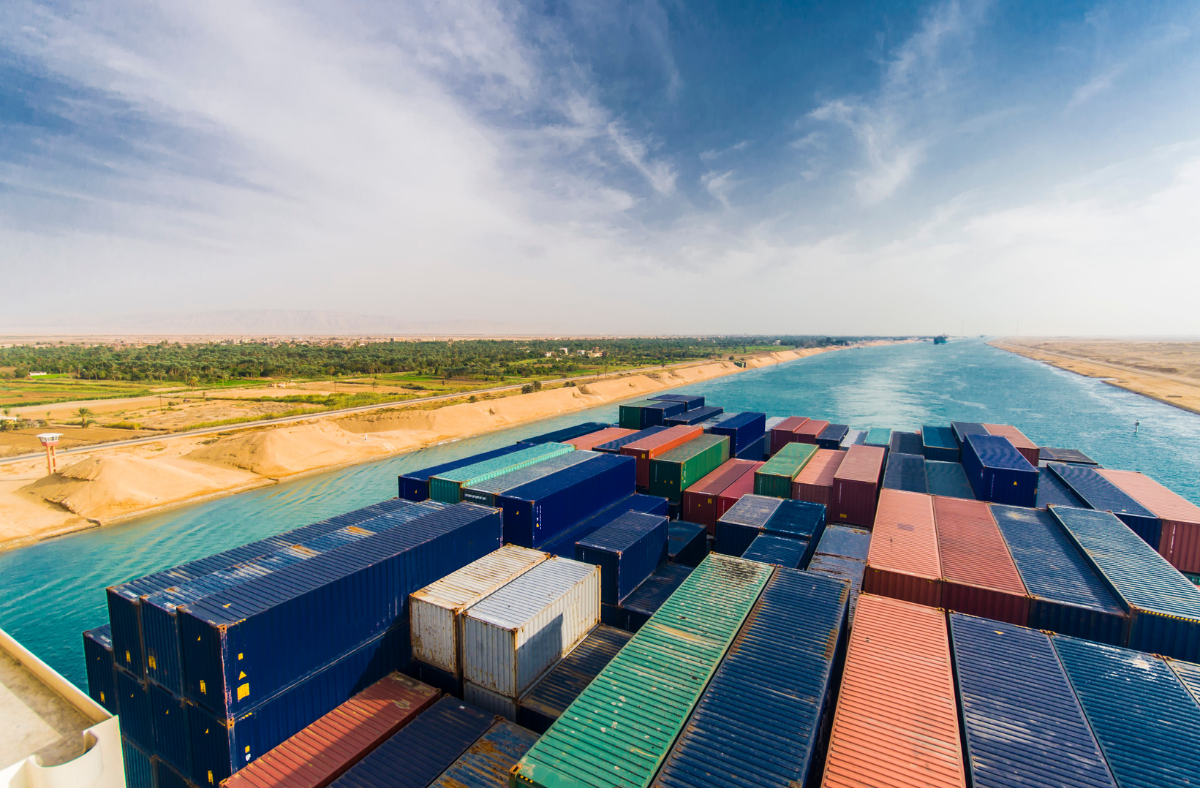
(651, 166)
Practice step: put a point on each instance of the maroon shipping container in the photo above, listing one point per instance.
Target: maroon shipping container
(326, 749)
(809, 430)
(700, 500)
(978, 574)
(856, 486)
(815, 483)
(903, 560)
(783, 433)
(657, 444)
(1180, 539)
(734, 492)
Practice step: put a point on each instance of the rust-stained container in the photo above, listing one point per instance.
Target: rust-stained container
(1028, 449)
(784, 432)
(809, 430)
(594, 439)
(660, 443)
(700, 500)
(903, 561)
(734, 492)
(896, 724)
(1179, 541)
(815, 483)
(856, 486)
(326, 749)
(978, 574)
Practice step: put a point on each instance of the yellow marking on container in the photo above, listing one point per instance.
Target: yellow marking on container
(243, 692)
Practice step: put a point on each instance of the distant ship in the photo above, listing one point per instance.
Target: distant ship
(940, 340)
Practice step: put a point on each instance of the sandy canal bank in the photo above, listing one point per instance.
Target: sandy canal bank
(115, 484)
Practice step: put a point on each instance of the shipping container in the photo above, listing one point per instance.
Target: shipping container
(798, 520)
(854, 438)
(414, 485)
(416, 755)
(1179, 535)
(679, 469)
(843, 542)
(1066, 595)
(166, 777)
(566, 433)
(1144, 719)
(243, 645)
(849, 569)
(537, 512)
(1053, 491)
(137, 718)
(743, 430)
(962, 429)
(222, 746)
(447, 487)
(897, 719)
(650, 595)
(777, 550)
(809, 430)
(1028, 449)
(323, 751)
(907, 443)
(594, 439)
(1022, 722)
(762, 718)
(1188, 674)
(436, 611)
(648, 413)
(831, 437)
(1051, 454)
(997, 472)
(627, 550)
(615, 446)
(775, 478)
(745, 520)
(98, 656)
(784, 432)
(937, 443)
(978, 574)
(564, 544)
(513, 636)
(772, 422)
(744, 485)
(487, 493)
(814, 483)
(595, 743)
(655, 446)
(856, 486)
(906, 472)
(759, 450)
(948, 479)
(170, 722)
(1098, 493)
(879, 436)
(487, 763)
(696, 416)
(549, 698)
(687, 543)
(139, 767)
(903, 561)
(1163, 606)
(690, 401)
(700, 500)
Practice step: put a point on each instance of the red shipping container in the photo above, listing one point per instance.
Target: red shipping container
(783, 433)
(1028, 448)
(978, 574)
(659, 443)
(896, 724)
(700, 500)
(734, 492)
(1180, 539)
(815, 483)
(903, 560)
(594, 439)
(856, 486)
(326, 749)
(809, 430)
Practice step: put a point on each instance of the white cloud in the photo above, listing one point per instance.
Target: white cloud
(718, 185)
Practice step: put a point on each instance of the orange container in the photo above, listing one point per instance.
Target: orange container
(815, 482)
(1180, 539)
(659, 443)
(1028, 448)
(903, 561)
(896, 724)
(783, 433)
(592, 440)
(978, 574)
(809, 430)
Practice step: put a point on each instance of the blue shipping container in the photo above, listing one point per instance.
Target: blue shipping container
(938, 443)
(1188, 674)
(998, 472)
(1066, 594)
(421, 750)
(536, 513)
(137, 719)
(1099, 493)
(744, 521)
(172, 741)
(687, 543)
(1053, 491)
(139, 768)
(1163, 605)
(1022, 723)
(905, 472)
(488, 492)
(650, 595)
(690, 417)
(798, 520)
(948, 479)
(655, 413)
(842, 541)
(549, 698)
(414, 485)
(566, 433)
(847, 569)
(487, 763)
(245, 644)
(691, 401)
(1052, 454)
(761, 720)
(564, 544)
(832, 436)
(166, 777)
(906, 443)
(98, 656)
(758, 451)
(614, 446)
(962, 429)
(627, 550)
(742, 429)
(1144, 719)
(777, 550)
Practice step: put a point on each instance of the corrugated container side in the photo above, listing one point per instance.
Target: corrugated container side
(563, 545)
(414, 485)
(831, 437)
(856, 486)
(549, 698)
(1053, 492)
(962, 429)
(978, 574)
(687, 543)
(772, 693)
(594, 439)
(170, 721)
(937, 443)
(98, 656)
(777, 550)
(566, 433)
(758, 450)
(1023, 725)
(814, 483)
(487, 763)
(1179, 537)
(998, 472)
(615, 446)
(775, 478)
(847, 569)
(700, 500)
(655, 446)
(650, 595)
(906, 472)
(690, 401)
(907, 443)
(735, 492)
(844, 542)
(784, 432)
(166, 777)
(903, 561)
(139, 768)
(809, 430)
(536, 513)
(627, 550)
(673, 472)
(742, 430)
(1100, 494)
(1188, 674)
(948, 480)
(447, 487)
(137, 718)
(897, 720)
(1028, 449)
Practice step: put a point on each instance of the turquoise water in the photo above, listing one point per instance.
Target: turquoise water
(52, 591)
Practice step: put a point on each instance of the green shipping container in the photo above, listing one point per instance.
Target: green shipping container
(879, 436)
(448, 487)
(679, 469)
(775, 478)
(630, 416)
(619, 730)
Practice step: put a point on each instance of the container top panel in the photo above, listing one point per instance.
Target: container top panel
(566, 433)
(752, 510)
(788, 463)
(1097, 491)
(904, 538)
(594, 439)
(962, 429)
(777, 550)
(459, 590)
(971, 547)
(564, 544)
(811, 427)
(620, 443)
(657, 588)
(994, 451)
(789, 424)
(624, 532)
(694, 416)
(834, 432)
(1053, 491)
(424, 473)
(862, 464)
(907, 443)
(729, 472)
(798, 519)
(487, 762)
(1188, 674)
(798, 451)
(516, 603)
(547, 485)
(854, 438)
(906, 472)
(845, 542)
(947, 479)
(1014, 435)
(938, 437)
(1065, 455)
(820, 470)
(693, 401)
(510, 481)
(879, 436)
(667, 436)
(1152, 495)
(554, 693)
(519, 459)
(740, 420)
(691, 449)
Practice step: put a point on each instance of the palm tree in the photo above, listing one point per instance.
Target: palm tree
(85, 417)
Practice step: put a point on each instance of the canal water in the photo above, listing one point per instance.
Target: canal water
(52, 591)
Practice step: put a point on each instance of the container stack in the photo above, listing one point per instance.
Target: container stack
(656, 445)
(747, 435)
(1026, 447)
(447, 487)
(1100, 493)
(997, 471)
(755, 514)
(700, 500)
(564, 544)
(676, 470)
(856, 486)
(546, 701)
(832, 436)
(907, 472)
(842, 553)
(535, 513)
(938, 443)
(488, 491)
(1179, 532)
(778, 474)
(565, 434)
(784, 432)
(648, 413)
(627, 551)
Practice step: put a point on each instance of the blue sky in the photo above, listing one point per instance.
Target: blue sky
(628, 167)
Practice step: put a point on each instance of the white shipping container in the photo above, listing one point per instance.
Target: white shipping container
(489, 701)
(518, 633)
(436, 611)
